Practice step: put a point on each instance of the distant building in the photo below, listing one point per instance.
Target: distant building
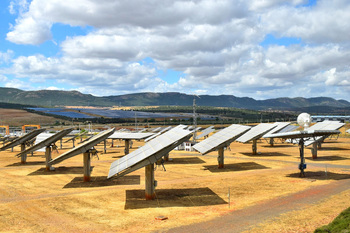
(330, 118)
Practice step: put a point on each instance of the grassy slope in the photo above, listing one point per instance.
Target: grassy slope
(339, 224)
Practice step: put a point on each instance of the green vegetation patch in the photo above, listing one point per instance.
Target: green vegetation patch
(340, 224)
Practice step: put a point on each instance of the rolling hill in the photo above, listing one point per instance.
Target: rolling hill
(52, 98)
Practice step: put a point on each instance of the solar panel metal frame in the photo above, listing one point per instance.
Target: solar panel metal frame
(82, 148)
(47, 142)
(23, 139)
(150, 152)
(256, 132)
(222, 138)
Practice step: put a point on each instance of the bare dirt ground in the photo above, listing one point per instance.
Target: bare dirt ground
(191, 190)
(17, 117)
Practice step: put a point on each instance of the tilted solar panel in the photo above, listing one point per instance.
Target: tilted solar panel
(135, 136)
(256, 132)
(82, 148)
(278, 128)
(222, 138)
(141, 157)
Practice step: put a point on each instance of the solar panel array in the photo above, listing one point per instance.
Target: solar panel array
(222, 138)
(325, 125)
(23, 139)
(206, 132)
(256, 132)
(50, 138)
(135, 136)
(82, 148)
(150, 152)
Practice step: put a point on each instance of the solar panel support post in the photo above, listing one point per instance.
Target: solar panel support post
(73, 142)
(302, 164)
(221, 157)
(112, 143)
(23, 156)
(149, 182)
(61, 143)
(166, 157)
(48, 158)
(319, 144)
(271, 141)
(314, 150)
(87, 166)
(254, 147)
(127, 146)
(105, 146)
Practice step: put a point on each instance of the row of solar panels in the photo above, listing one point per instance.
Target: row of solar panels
(164, 143)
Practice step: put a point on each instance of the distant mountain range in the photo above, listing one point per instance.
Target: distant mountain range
(50, 98)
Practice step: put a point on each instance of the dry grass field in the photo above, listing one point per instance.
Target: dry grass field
(191, 190)
(17, 117)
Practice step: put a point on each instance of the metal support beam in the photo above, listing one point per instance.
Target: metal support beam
(314, 150)
(254, 147)
(127, 145)
(105, 146)
(23, 156)
(149, 182)
(271, 141)
(61, 143)
(166, 157)
(48, 158)
(87, 166)
(302, 165)
(221, 157)
(112, 143)
(73, 142)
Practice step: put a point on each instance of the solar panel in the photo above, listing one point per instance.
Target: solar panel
(23, 139)
(206, 132)
(326, 125)
(47, 141)
(304, 134)
(157, 134)
(156, 129)
(278, 128)
(289, 128)
(149, 153)
(41, 137)
(220, 139)
(131, 136)
(256, 132)
(82, 148)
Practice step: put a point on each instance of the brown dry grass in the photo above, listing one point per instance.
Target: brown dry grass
(16, 117)
(191, 190)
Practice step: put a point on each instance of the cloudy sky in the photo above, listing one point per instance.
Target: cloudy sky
(257, 48)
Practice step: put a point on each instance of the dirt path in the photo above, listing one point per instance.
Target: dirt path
(241, 220)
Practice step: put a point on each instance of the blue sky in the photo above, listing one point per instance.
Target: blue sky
(260, 49)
